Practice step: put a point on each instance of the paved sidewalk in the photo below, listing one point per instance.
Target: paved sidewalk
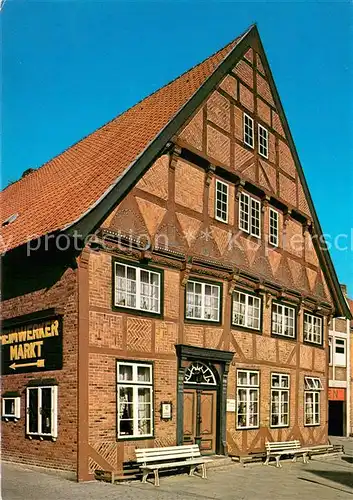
(324, 478)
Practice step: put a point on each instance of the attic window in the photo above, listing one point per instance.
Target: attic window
(10, 219)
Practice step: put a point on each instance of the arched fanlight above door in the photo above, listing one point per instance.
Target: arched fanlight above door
(199, 373)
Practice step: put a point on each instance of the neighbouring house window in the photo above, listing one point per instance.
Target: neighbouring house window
(274, 227)
(263, 141)
(250, 215)
(137, 288)
(135, 399)
(42, 411)
(283, 320)
(248, 131)
(339, 355)
(11, 407)
(247, 399)
(202, 301)
(312, 328)
(246, 310)
(221, 201)
(279, 400)
(312, 389)
(330, 351)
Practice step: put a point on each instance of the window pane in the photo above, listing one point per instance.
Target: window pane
(9, 406)
(125, 372)
(33, 410)
(144, 373)
(126, 410)
(46, 411)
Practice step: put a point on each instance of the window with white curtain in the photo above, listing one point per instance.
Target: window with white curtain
(279, 400)
(137, 288)
(283, 320)
(134, 399)
(246, 310)
(312, 388)
(203, 301)
(339, 353)
(248, 383)
(312, 328)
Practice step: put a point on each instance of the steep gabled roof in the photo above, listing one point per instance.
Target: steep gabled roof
(68, 186)
(75, 191)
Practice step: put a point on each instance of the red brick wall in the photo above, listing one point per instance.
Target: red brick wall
(61, 454)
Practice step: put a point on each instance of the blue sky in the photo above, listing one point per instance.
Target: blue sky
(70, 66)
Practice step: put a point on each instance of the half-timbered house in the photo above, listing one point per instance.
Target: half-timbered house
(198, 311)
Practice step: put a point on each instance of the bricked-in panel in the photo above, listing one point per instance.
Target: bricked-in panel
(229, 85)
(259, 65)
(155, 180)
(310, 252)
(263, 89)
(218, 110)
(340, 325)
(139, 334)
(293, 238)
(249, 55)
(241, 155)
(189, 186)
(171, 294)
(152, 215)
(287, 189)
(263, 111)
(192, 133)
(286, 161)
(100, 270)
(106, 330)
(190, 227)
(194, 335)
(166, 337)
(246, 97)
(245, 73)
(218, 145)
(277, 124)
(238, 123)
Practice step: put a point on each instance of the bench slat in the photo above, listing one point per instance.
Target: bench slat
(167, 448)
(170, 465)
(170, 456)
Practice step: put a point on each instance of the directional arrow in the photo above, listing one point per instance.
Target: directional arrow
(39, 364)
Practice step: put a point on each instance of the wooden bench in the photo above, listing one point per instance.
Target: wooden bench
(170, 457)
(278, 448)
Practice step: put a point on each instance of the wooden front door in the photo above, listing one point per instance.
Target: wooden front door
(200, 419)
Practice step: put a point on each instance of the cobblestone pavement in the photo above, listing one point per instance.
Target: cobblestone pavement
(324, 478)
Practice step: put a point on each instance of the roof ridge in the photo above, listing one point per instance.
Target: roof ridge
(11, 184)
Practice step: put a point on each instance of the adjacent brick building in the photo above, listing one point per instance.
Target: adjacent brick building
(199, 311)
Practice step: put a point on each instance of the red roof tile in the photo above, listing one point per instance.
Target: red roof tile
(63, 189)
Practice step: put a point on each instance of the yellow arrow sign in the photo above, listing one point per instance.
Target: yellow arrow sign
(39, 364)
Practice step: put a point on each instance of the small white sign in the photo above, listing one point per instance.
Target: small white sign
(231, 405)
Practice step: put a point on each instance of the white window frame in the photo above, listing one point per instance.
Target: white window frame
(17, 407)
(283, 391)
(138, 293)
(263, 141)
(249, 388)
(247, 308)
(312, 328)
(202, 305)
(250, 215)
(330, 350)
(221, 214)
(248, 131)
(312, 387)
(273, 233)
(135, 384)
(340, 358)
(282, 309)
(54, 411)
